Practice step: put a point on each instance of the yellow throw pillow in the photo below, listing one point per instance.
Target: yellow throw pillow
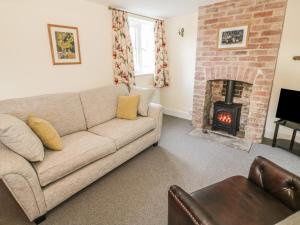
(46, 132)
(128, 107)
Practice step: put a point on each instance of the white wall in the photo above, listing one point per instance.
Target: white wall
(178, 98)
(26, 68)
(288, 71)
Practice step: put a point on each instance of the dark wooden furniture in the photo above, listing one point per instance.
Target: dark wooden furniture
(269, 195)
(294, 126)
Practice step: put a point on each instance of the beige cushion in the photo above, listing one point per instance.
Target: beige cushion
(294, 219)
(63, 111)
(17, 136)
(124, 131)
(80, 149)
(100, 105)
(146, 95)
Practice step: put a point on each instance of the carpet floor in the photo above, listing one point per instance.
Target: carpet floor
(136, 192)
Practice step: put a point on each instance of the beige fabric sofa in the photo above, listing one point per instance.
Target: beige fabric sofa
(95, 142)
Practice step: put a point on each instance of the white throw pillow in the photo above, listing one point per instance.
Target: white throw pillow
(16, 135)
(293, 219)
(146, 95)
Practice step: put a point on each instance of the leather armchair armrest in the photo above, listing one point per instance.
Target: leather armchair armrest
(280, 183)
(22, 181)
(184, 210)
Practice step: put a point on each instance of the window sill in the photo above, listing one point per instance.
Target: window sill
(143, 74)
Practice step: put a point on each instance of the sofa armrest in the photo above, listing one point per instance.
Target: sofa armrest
(280, 183)
(22, 181)
(155, 111)
(184, 210)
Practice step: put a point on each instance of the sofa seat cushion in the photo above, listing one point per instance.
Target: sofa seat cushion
(237, 201)
(80, 149)
(122, 131)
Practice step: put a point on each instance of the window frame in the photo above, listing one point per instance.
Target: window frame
(135, 22)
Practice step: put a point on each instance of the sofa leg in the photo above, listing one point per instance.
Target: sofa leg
(40, 219)
(155, 144)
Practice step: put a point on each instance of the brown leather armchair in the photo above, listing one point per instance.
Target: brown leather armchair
(269, 195)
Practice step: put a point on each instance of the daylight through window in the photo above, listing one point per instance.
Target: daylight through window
(142, 37)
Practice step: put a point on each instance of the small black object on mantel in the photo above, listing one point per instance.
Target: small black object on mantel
(296, 57)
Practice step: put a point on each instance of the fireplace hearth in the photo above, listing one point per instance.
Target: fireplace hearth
(227, 114)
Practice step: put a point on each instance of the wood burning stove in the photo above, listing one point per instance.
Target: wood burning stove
(227, 114)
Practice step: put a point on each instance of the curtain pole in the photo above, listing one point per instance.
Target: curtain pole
(152, 18)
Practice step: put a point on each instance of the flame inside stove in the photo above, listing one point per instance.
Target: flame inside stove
(225, 118)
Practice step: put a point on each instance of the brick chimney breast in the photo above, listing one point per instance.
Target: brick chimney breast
(254, 65)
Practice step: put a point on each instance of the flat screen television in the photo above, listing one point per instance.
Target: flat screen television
(289, 105)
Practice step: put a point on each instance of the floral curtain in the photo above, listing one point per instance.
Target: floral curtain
(122, 49)
(161, 75)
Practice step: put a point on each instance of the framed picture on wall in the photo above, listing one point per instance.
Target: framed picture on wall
(233, 37)
(64, 44)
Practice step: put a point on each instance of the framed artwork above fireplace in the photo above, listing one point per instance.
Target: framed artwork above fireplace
(233, 37)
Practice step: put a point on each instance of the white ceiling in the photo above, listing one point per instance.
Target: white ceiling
(157, 8)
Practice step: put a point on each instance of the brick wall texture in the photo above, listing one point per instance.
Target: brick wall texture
(254, 65)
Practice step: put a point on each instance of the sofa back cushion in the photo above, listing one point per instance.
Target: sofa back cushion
(100, 104)
(63, 111)
(16, 135)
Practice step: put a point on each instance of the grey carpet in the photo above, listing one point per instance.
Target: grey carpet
(136, 192)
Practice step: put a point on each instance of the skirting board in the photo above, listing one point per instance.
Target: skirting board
(178, 113)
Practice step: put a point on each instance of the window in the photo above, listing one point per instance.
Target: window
(142, 37)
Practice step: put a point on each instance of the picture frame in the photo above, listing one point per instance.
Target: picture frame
(233, 37)
(64, 44)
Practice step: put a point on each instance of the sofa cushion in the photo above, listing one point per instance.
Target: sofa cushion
(128, 107)
(16, 135)
(146, 95)
(46, 132)
(100, 105)
(63, 111)
(245, 202)
(124, 131)
(80, 149)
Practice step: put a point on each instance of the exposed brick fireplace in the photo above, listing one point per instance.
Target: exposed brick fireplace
(253, 67)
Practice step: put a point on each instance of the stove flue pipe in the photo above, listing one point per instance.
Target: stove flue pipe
(229, 92)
